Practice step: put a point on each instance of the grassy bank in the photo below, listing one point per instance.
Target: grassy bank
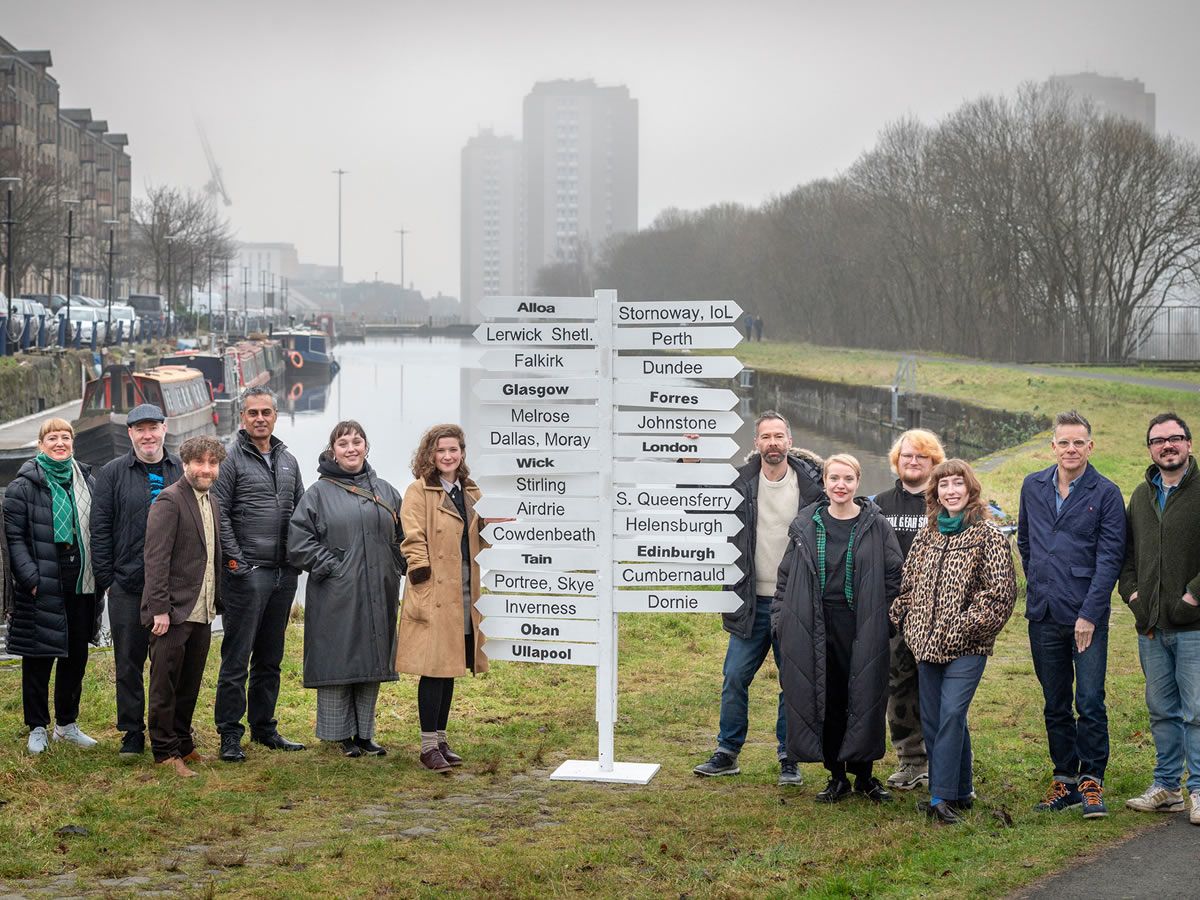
(312, 822)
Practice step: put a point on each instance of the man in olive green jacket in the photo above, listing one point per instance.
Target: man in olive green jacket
(1161, 584)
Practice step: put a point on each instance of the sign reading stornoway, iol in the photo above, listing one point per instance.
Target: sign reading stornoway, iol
(611, 494)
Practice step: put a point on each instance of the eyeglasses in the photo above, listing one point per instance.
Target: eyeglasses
(913, 457)
(1078, 444)
(1157, 442)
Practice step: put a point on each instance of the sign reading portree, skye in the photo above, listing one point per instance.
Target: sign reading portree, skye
(610, 472)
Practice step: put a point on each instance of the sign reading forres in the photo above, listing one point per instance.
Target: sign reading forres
(674, 396)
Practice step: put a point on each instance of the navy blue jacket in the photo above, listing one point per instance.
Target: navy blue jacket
(1071, 559)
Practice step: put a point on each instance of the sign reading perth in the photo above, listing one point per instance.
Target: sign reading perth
(612, 492)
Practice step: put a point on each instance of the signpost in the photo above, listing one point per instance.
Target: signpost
(609, 507)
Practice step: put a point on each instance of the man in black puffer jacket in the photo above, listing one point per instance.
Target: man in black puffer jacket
(258, 489)
(775, 483)
(125, 488)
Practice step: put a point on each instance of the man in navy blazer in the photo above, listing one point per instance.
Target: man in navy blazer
(1071, 535)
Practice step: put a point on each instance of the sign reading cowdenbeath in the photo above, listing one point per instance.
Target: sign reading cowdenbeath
(604, 481)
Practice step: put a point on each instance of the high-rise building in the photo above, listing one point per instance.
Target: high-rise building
(1125, 97)
(581, 169)
(493, 259)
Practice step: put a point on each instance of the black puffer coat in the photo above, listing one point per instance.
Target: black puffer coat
(258, 501)
(350, 546)
(798, 619)
(807, 466)
(39, 623)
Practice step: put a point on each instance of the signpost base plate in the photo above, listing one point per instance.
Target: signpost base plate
(589, 770)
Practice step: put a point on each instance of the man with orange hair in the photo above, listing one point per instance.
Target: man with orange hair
(913, 456)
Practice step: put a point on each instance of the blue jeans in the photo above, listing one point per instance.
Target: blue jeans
(1171, 663)
(946, 691)
(743, 659)
(1078, 747)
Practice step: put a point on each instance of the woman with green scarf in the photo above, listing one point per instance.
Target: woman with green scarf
(55, 609)
(958, 591)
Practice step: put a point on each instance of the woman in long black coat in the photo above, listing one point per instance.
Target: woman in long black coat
(839, 575)
(56, 613)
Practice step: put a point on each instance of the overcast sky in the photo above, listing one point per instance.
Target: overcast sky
(738, 101)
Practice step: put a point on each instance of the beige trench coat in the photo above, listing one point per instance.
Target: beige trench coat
(431, 614)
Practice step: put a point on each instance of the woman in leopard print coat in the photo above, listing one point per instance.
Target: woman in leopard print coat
(958, 590)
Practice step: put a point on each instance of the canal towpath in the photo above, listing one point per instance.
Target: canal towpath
(23, 432)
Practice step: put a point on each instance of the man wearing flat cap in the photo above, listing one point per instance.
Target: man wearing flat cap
(124, 490)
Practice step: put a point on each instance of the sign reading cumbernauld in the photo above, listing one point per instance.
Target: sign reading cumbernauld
(609, 473)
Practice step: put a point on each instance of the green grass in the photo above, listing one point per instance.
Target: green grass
(314, 822)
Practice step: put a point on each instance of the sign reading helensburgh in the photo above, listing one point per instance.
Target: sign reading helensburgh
(608, 473)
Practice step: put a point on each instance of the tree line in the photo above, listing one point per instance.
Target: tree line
(1025, 228)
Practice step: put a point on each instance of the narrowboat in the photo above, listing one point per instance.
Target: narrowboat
(181, 392)
(307, 352)
(240, 366)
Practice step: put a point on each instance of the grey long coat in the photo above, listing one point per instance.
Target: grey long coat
(798, 619)
(349, 546)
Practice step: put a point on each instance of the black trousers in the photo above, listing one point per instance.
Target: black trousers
(256, 608)
(131, 648)
(434, 694)
(176, 669)
(68, 682)
(839, 643)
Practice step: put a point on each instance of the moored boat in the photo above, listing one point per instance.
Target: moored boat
(307, 352)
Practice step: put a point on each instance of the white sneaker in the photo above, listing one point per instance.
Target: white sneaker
(38, 740)
(1194, 815)
(1157, 798)
(72, 735)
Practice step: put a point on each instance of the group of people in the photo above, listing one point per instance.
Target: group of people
(881, 612)
(170, 542)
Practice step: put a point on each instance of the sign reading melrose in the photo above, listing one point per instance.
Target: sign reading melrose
(612, 482)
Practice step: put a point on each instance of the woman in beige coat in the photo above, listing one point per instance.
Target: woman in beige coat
(439, 625)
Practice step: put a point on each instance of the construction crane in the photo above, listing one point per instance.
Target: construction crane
(216, 183)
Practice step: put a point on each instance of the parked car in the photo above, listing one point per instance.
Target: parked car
(122, 312)
(85, 300)
(52, 302)
(18, 309)
(86, 320)
(150, 307)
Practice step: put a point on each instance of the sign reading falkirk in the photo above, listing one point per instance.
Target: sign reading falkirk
(572, 458)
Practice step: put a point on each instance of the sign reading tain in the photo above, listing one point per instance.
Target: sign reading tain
(609, 471)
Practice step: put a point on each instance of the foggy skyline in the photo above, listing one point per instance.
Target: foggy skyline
(735, 103)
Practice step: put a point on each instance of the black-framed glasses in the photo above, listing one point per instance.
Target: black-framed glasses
(1157, 442)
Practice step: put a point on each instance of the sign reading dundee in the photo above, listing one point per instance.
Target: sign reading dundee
(573, 458)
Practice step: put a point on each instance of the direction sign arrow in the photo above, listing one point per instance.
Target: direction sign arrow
(673, 396)
(538, 307)
(549, 361)
(675, 447)
(677, 366)
(542, 652)
(573, 485)
(531, 607)
(546, 463)
(542, 582)
(551, 559)
(537, 533)
(685, 311)
(553, 437)
(673, 473)
(669, 338)
(673, 524)
(677, 498)
(541, 629)
(682, 551)
(682, 574)
(675, 601)
(647, 421)
(562, 415)
(573, 334)
(514, 390)
(580, 509)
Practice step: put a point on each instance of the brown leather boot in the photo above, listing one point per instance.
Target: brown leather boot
(178, 766)
(434, 761)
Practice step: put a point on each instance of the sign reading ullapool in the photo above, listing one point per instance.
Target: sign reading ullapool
(609, 471)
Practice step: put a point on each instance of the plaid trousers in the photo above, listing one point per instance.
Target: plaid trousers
(346, 710)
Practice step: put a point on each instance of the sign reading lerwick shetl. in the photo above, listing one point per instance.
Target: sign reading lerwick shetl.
(609, 473)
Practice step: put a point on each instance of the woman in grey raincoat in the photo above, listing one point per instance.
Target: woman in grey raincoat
(346, 534)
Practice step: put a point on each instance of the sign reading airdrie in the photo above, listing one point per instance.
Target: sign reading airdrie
(606, 496)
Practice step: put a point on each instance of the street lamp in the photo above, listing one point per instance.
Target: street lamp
(111, 253)
(402, 232)
(8, 224)
(339, 173)
(70, 236)
(171, 239)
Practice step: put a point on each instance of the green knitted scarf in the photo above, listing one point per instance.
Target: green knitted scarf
(848, 586)
(62, 499)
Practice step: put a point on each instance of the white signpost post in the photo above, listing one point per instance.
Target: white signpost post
(608, 485)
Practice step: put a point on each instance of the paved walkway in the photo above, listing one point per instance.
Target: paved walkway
(1159, 862)
(1116, 376)
(24, 432)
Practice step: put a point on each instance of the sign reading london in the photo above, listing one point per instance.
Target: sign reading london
(604, 480)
